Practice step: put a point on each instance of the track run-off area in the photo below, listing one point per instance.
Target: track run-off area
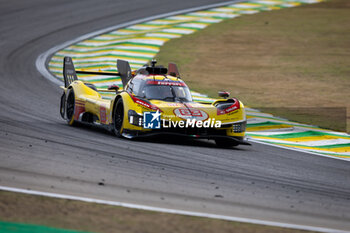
(40, 152)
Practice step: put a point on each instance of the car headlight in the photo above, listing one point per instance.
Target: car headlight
(135, 118)
(239, 127)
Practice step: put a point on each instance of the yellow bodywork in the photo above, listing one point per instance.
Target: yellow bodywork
(92, 102)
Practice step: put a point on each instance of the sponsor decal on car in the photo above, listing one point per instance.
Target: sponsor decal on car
(103, 114)
(191, 113)
(166, 83)
(144, 103)
(79, 108)
(174, 104)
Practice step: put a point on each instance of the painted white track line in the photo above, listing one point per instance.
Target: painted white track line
(170, 211)
(41, 65)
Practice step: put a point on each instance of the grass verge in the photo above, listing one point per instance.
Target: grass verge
(82, 216)
(290, 58)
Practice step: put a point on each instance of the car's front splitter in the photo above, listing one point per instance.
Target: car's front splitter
(137, 134)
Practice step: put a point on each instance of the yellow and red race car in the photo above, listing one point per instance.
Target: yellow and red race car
(154, 100)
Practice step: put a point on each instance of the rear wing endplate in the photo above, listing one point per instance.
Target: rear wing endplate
(69, 73)
(124, 71)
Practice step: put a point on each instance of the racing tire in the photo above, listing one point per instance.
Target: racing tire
(70, 107)
(118, 118)
(225, 143)
(63, 105)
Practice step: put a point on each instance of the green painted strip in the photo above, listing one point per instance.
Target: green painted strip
(300, 134)
(9, 227)
(311, 147)
(332, 146)
(285, 121)
(186, 28)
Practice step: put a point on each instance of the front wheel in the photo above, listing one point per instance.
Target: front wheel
(118, 118)
(226, 142)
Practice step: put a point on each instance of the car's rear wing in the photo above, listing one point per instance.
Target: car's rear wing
(70, 74)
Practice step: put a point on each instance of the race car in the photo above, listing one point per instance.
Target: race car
(153, 101)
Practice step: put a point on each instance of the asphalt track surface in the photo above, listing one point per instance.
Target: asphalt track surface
(39, 151)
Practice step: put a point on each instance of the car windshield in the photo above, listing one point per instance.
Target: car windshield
(168, 93)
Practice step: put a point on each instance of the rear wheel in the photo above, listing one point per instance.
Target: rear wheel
(63, 105)
(70, 107)
(226, 142)
(118, 119)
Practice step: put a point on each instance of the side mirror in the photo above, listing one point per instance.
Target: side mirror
(172, 74)
(224, 94)
(113, 87)
(172, 70)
